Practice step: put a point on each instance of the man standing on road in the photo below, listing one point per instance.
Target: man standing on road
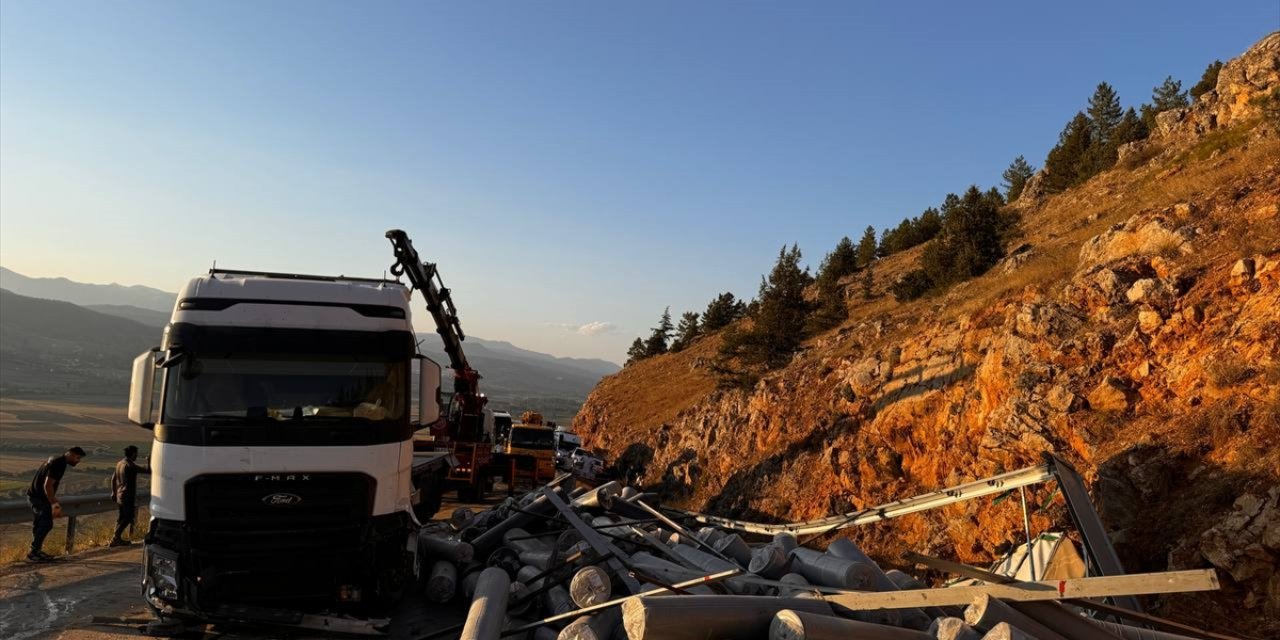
(124, 490)
(44, 500)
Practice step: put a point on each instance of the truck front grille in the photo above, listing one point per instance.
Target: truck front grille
(266, 537)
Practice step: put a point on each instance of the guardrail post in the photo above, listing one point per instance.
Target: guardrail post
(71, 533)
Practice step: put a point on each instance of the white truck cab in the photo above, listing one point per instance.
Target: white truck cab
(284, 476)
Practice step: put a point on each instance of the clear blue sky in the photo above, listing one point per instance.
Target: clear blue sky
(566, 163)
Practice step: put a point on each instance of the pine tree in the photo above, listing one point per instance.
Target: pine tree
(929, 225)
(659, 339)
(722, 311)
(637, 352)
(1066, 164)
(831, 309)
(868, 282)
(867, 247)
(780, 314)
(687, 332)
(1104, 112)
(842, 261)
(1016, 176)
(1208, 81)
(971, 238)
(1169, 95)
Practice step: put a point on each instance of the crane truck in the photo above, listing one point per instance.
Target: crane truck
(288, 485)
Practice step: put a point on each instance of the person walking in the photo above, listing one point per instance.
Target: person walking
(43, 497)
(124, 490)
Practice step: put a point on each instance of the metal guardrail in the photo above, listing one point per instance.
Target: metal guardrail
(19, 511)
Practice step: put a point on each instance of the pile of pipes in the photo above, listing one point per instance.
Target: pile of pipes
(606, 563)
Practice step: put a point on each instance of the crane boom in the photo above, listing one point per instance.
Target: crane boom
(467, 419)
(426, 278)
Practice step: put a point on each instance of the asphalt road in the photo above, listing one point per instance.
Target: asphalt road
(96, 594)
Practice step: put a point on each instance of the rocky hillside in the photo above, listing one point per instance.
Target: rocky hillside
(1134, 329)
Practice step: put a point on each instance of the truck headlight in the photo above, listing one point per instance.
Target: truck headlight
(162, 571)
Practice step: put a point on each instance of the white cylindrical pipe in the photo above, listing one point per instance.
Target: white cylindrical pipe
(802, 625)
(488, 612)
(590, 585)
(986, 612)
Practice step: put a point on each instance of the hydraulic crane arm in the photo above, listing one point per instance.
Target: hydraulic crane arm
(425, 278)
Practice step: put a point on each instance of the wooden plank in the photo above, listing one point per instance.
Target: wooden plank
(598, 542)
(1155, 622)
(1103, 586)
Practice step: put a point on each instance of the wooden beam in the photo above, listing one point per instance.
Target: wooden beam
(1104, 586)
(1156, 622)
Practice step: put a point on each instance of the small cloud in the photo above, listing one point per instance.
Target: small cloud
(589, 329)
(596, 328)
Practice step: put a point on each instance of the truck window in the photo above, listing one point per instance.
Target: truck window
(285, 388)
(541, 439)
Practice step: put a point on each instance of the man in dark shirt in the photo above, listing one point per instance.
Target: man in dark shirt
(124, 490)
(42, 494)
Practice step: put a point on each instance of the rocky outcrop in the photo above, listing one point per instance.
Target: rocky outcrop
(1243, 84)
(1143, 344)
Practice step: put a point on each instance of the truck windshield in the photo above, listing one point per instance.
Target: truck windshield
(543, 439)
(285, 388)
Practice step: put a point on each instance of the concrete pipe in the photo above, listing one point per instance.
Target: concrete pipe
(701, 617)
(609, 526)
(668, 572)
(830, 571)
(469, 581)
(488, 612)
(1062, 620)
(1005, 631)
(541, 558)
(519, 539)
(711, 564)
(771, 561)
(440, 547)
(442, 584)
(518, 602)
(603, 625)
(802, 625)
(598, 497)
(949, 628)
(460, 518)
(798, 585)
(986, 612)
(590, 585)
(732, 546)
(506, 559)
(845, 548)
(906, 582)
(709, 535)
(558, 601)
(786, 540)
(566, 540)
(493, 536)
(527, 574)
(1136, 633)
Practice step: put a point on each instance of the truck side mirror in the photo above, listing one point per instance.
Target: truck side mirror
(428, 392)
(142, 389)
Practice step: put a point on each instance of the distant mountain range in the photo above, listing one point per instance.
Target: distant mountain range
(87, 294)
(75, 341)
